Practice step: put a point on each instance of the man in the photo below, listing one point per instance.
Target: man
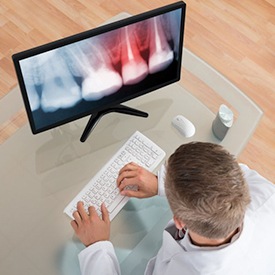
(224, 217)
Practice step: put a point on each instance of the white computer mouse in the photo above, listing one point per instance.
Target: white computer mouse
(184, 126)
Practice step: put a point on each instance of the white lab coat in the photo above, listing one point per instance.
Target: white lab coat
(251, 251)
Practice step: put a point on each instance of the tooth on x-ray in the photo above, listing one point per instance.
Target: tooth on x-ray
(100, 78)
(134, 67)
(34, 99)
(101, 82)
(59, 93)
(161, 55)
(31, 80)
(59, 89)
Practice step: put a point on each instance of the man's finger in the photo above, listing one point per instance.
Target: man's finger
(77, 217)
(81, 210)
(128, 167)
(105, 213)
(131, 193)
(126, 175)
(125, 182)
(74, 225)
(92, 212)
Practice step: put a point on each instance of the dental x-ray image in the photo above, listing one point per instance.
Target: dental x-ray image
(75, 79)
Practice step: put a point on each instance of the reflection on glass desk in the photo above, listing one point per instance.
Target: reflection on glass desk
(40, 174)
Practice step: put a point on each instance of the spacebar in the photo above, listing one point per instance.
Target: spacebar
(115, 203)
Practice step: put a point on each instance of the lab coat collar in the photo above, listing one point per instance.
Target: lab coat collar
(204, 259)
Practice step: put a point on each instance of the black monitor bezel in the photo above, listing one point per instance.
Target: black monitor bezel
(17, 57)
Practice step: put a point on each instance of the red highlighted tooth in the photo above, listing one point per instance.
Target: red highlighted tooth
(134, 68)
(99, 76)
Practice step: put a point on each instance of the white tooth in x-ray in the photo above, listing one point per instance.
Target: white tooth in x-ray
(134, 67)
(94, 66)
(100, 83)
(59, 93)
(161, 55)
(33, 98)
(59, 89)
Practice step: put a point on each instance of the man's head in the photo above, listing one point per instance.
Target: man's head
(206, 189)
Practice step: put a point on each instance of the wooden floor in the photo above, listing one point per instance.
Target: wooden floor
(236, 37)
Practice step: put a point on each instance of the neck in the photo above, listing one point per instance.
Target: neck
(203, 241)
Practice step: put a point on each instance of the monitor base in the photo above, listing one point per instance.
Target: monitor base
(95, 117)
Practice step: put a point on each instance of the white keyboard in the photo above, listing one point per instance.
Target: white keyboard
(103, 188)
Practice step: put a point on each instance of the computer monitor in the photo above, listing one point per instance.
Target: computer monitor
(93, 72)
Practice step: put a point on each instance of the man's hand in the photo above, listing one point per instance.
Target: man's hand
(90, 228)
(144, 182)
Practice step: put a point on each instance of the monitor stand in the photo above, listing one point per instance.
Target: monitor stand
(95, 117)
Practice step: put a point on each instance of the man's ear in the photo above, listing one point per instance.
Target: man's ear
(178, 223)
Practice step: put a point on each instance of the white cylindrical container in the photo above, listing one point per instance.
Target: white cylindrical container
(222, 122)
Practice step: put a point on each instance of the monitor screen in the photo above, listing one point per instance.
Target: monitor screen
(98, 69)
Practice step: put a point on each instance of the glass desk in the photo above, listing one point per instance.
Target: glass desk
(41, 174)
